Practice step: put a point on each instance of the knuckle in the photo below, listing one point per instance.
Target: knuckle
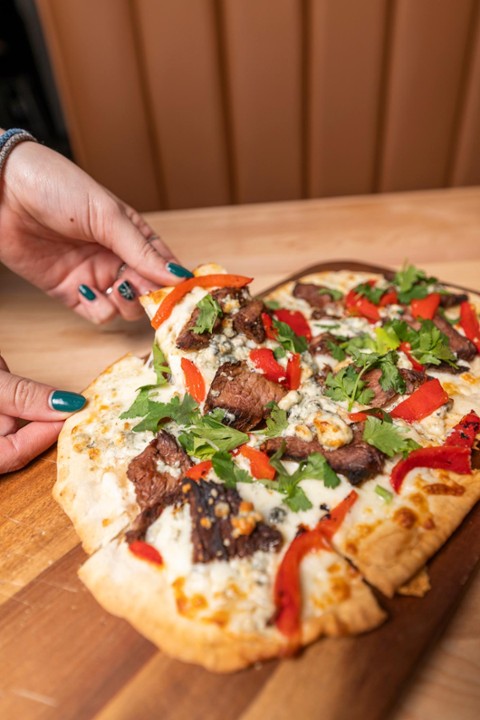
(22, 395)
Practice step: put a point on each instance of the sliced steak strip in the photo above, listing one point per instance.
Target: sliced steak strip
(151, 484)
(225, 295)
(224, 526)
(243, 394)
(248, 320)
(449, 300)
(413, 379)
(317, 300)
(154, 488)
(459, 344)
(358, 460)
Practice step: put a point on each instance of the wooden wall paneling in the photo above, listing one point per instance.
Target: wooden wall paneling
(428, 47)
(466, 149)
(179, 47)
(263, 51)
(94, 59)
(344, 67)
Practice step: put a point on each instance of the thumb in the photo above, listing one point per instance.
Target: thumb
(29, 400)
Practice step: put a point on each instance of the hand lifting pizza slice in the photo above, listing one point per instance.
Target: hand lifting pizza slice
(241, 490)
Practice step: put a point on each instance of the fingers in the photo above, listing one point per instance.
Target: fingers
(147, 257)
(29, 400)
(18, 449)
(94, 305)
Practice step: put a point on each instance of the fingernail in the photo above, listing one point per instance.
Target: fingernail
(126, 290)
(179, 270)
(66, 401)
(86, 292)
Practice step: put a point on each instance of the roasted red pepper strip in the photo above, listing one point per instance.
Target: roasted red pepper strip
(165, 309)
(359, 305)
(426, 307)
(389, 298)
(465, 432)
(422, 402)
(264, 359)
(447, 457)
(194, 381)
(295, 320)
(362, 415)
(145, 551)
(259, 463)
(199, 471)
(294, 372)
(469, 323)
(287, 592)
(268, 325)
(406, 348)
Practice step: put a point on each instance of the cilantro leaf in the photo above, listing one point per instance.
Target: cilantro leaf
(180, 411)
(276, 421)
(387, 438)
(206, 435)
(428, 345)
(139, 407)
(160, 365)
(335, 294)
(391, 378)
(348, 385)
(337, 352)
(288, 338)
(386, 339)
(210, 310)
(315, 467)
(412, 283)
(371, 292)
(227, 471)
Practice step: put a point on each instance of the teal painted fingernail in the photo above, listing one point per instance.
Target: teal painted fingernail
(86, 292)
(179, 270)
(126, 290)
(65, 401)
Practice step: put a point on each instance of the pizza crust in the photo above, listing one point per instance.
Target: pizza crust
(138, 591)
(389, 553)
(99, 499)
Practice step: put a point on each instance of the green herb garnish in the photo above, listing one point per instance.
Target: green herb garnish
(335, 294)
(347, 385)
(210, 310)
(288, 338)
(160, 366)
(315, 467)
(387, 438)
(386, 495)
(227, 471)
(276, 421)
(412, 283)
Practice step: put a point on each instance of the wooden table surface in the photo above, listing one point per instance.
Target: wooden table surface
(439, 230)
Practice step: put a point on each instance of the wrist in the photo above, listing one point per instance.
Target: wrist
(9, 139)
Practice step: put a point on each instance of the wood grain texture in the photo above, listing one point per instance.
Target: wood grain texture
(179, 48)
(92, 47)
(345, 49)
(264, 91)
(61, 655)
(428, 56)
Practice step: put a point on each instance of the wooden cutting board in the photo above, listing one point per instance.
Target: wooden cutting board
(62, 656)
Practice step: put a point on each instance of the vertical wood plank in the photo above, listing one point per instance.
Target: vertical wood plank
(428, 50)
(93, 53)
(179, 47)
(263, 49)
(345, 57)
(466, 151)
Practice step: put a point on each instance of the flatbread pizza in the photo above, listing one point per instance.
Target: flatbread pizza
(276, 461)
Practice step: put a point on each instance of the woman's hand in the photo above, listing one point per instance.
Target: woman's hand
(69, 236)
(29, 400)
